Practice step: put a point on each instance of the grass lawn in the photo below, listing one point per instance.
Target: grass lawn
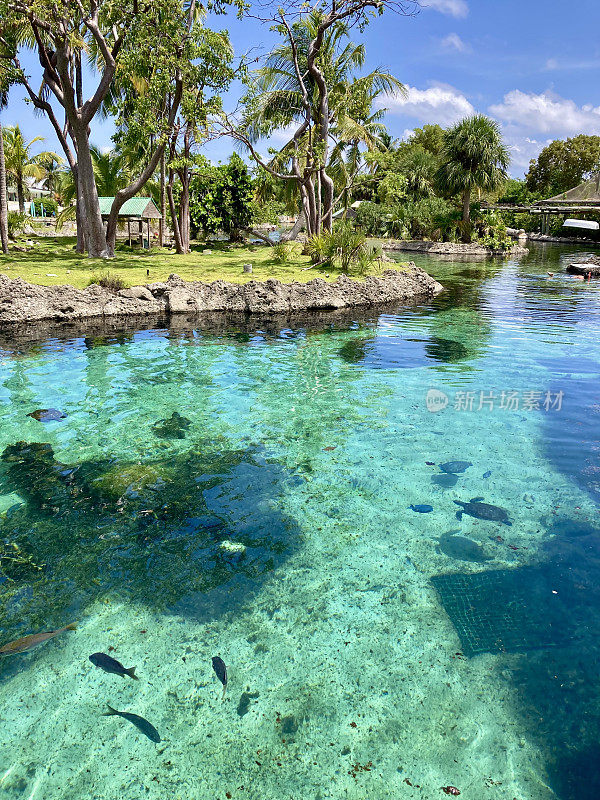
(52, 261)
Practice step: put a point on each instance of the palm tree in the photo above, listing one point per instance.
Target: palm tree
(21, 164)
(473, 156)
(109, 171)
(3, 188)
(277, 102)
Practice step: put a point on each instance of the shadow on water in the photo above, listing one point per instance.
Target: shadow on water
(195, 534)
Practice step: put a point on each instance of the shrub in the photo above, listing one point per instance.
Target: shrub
(16, 223)
(282, 252)
(345, 248)
(108, 280)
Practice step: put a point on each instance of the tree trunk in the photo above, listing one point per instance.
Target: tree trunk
(3, 197)
(96, 244)
(298, 225)
(20, 194)
(184, 213)
(163, 204)
(466, 216)
(80, 218)
(328, 192)
(174, 216)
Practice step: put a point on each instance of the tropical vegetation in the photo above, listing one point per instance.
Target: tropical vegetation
(160, 71)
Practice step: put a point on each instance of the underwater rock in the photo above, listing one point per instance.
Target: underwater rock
(446, 480)
(461, 548)
(232, 551)
(128, 480)
(37, 476)
(47, 415)
(174, 427)
(476, 508)
(289, 725)
(455, 467)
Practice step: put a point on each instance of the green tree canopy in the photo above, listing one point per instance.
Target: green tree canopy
(563, 165)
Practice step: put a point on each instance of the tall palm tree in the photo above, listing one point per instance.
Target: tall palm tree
(473, 156)
(21, 164)
(3, 188)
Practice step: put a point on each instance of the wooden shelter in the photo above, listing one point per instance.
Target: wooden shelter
(137, 209)
(581, 200)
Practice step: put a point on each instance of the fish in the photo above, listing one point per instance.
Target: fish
(32, 640)
(476, 508)
(140, 723)
(47, 414)
(110, 664)
(455, 467)
(221, 671)
(450, 790)
(487, 474)
(422, 509)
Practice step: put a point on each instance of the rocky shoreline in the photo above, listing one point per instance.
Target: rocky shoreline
(450, 248)
(22, 302)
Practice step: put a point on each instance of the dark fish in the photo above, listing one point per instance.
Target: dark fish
(31, 641)
(140, 723)
(422, 509)
(220, 671)
(461, 548)
(47, 414)
(456, 467)
(110, 664)
(487, 474)
(479, 510)
(430, 463)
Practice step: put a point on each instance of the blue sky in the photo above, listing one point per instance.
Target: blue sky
(534, 65)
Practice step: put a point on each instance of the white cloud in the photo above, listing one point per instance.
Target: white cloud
(547, 113)
(455, 8)
(453, 42)
(440, 104)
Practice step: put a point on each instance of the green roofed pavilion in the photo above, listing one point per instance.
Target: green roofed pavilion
(140, 207)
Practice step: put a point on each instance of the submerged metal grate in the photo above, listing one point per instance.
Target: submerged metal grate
(505, 611)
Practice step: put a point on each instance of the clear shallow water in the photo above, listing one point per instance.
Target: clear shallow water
(372, 652)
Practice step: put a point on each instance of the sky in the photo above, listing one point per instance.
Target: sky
(533, 65)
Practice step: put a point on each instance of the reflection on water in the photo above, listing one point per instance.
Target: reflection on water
(244, 488)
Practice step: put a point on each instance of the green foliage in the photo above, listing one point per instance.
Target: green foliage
(16, 223)
(474, 156)
(430, 218)
(490, 231)
(221, 198)
(372, 218)
(282, 252)
(49, 204)
(344, 248)
(563, 165)
(430, 138)
(108, 280)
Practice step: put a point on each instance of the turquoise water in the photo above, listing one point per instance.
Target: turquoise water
(373, 651)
